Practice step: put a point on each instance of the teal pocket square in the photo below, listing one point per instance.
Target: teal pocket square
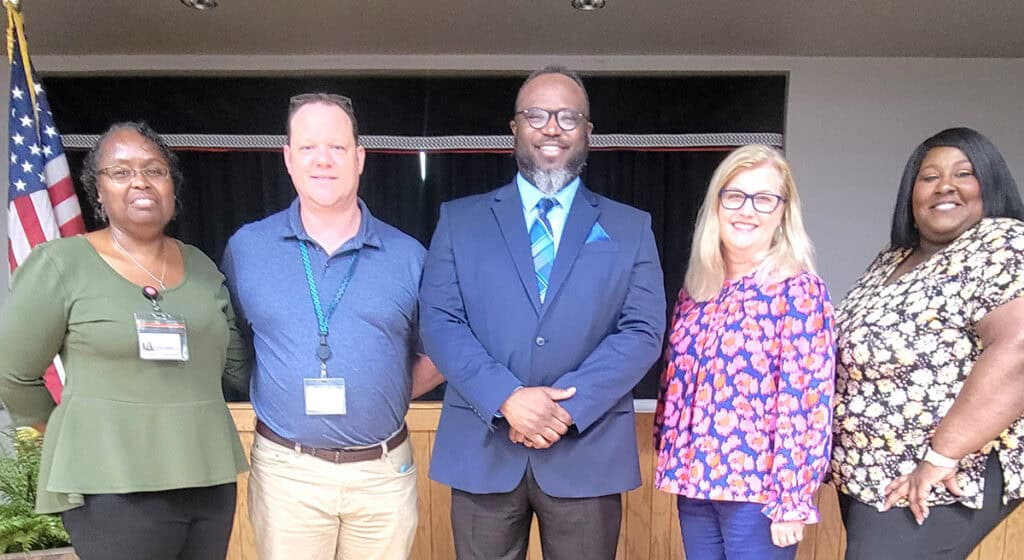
(597, 233)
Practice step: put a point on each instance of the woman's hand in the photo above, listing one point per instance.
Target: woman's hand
(917, 486)
(787, 533)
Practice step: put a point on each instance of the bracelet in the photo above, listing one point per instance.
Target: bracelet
(939, 460)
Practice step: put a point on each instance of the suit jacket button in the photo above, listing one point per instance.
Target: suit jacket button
(540, 341)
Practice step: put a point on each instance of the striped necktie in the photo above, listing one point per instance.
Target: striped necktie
(542, 244)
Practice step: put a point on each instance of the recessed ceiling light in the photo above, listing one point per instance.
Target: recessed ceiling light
(202, 4)
(585, 5)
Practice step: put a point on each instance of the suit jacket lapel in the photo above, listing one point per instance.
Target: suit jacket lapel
(582, 215)
(508, 210)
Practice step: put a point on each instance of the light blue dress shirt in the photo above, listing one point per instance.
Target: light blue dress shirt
(530, 195)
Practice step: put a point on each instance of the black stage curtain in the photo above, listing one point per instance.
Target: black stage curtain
(669, 185)
(225, 189)
(416, 106)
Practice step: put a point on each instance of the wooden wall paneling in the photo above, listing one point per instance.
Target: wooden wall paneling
(1014, 537)
(677, 540)
(533, 549)
(992, 547)
(665, 541)
(246, 535)
(442, 543)
(650, 523)
(829, 535)
(421, 448)
(638, 503)
(242, 544)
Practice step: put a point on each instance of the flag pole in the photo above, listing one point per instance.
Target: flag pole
(16, 28)
(42, 203)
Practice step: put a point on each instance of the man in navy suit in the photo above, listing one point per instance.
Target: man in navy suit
(542, 304)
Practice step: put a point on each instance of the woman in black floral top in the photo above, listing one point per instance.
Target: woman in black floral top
(929, 431)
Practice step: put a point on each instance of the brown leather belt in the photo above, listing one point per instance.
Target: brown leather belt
(337, 455)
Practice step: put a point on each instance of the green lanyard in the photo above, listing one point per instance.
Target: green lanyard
(323, 352)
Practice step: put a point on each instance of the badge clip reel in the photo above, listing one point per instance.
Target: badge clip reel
(162, 336)
(152, 294)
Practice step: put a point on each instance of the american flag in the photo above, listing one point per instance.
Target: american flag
(41, 197)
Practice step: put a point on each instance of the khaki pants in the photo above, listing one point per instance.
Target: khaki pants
(306, 508)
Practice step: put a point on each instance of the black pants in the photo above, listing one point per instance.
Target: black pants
(950, 532)
(497, 526)
(185, 524)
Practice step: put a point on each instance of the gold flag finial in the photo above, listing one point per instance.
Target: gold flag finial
(13, 7)
(16, 28)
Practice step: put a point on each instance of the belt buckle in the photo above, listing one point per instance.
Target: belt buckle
(337, 455)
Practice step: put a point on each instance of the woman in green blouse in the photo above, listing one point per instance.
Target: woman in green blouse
(141, 455)
(928, 453)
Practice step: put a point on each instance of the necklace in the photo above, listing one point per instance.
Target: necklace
(163, 261)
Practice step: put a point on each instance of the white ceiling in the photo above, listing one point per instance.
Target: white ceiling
(886, 28)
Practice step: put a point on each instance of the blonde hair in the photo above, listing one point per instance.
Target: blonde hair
(791, 251)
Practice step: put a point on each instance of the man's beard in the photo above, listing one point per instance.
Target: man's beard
(550, 181)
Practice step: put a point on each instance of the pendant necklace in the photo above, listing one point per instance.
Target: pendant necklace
(163, 261)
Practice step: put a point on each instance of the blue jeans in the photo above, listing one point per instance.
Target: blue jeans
(718, 530)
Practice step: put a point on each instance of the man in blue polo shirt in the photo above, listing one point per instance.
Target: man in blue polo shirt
(328, 294)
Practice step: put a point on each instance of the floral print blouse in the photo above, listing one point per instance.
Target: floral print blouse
(905, 350)
(744, 408)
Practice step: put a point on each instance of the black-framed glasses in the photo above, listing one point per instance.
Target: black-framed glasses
(307, 98)
(123, 174)
(765, 203)
(567, 119)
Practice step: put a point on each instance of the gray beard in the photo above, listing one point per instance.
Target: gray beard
(552, 181)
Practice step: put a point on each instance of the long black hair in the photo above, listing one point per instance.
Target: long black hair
(999, 195)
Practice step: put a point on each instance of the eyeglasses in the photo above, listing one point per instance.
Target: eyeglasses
(121, 174)
(307, 98)
(567, 119)
(765, 203)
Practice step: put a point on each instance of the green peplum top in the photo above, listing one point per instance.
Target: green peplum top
(124, 424)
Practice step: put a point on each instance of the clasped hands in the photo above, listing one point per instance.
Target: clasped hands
(534, 416)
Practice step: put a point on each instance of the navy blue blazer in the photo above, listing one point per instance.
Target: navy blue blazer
(599, 330)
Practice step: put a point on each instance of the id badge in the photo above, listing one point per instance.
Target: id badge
(161, 337)
(324, 395)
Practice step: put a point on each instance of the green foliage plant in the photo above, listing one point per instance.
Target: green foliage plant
(21, 528)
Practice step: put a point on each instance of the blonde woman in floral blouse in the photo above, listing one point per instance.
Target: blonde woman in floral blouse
(930, 387)
(744, 413)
